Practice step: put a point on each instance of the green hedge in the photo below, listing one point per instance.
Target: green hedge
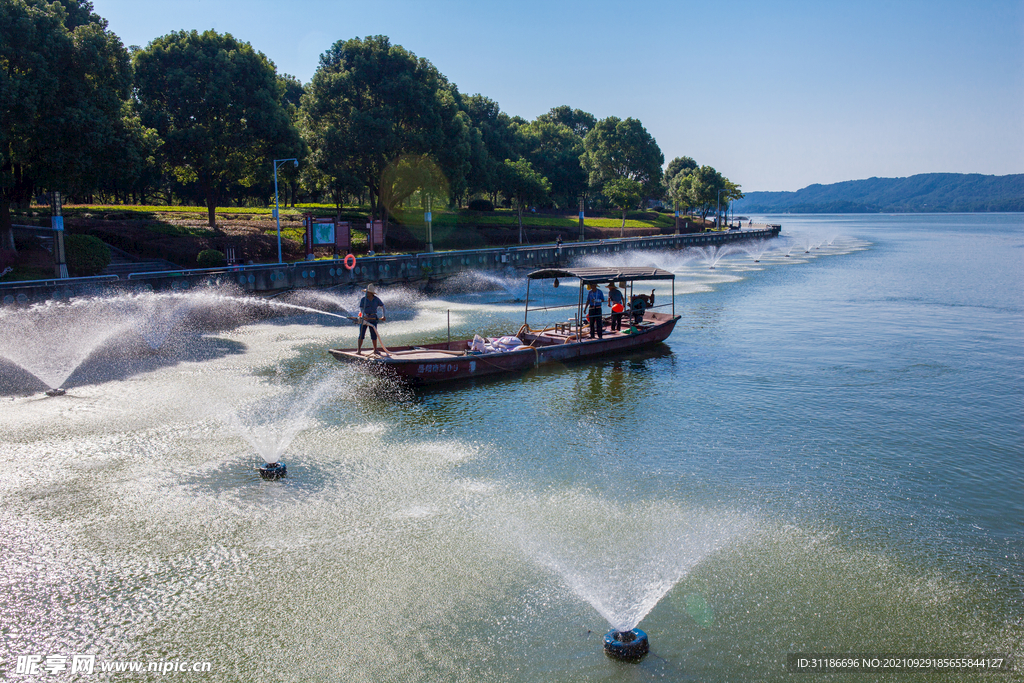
(211, 258)
(481, 205)
(86, 255)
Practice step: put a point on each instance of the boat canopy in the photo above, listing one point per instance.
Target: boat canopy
(599, 275)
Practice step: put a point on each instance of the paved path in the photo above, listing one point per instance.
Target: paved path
(122, 263)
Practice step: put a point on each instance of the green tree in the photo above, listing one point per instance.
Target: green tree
(289, 175)
(410, 174)
(130, 167)
(63, 82)
(707, 190)
(576, 120)
(554, 150)
(524, 186)
(679, 189)
(703, 186)
(461, 144)
(684, 165)
(731, 193)
(499, 140)
(291, 90)
(616, 148)
(624, 194)
(216, 104)
(368, 103)
(678, 169)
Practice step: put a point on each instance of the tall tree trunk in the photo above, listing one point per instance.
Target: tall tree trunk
(520, 213)
(19, 192)
(211, 205)
(6, 231)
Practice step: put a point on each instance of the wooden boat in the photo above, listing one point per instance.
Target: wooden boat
(561, 342)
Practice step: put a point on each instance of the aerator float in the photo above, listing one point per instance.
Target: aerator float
(629, 646)
(273, 471)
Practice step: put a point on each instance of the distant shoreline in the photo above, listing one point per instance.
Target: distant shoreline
(924, 193)
(748, 214)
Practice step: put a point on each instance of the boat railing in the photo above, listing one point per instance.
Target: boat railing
(551, 308)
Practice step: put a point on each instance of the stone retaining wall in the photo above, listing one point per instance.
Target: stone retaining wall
(406, 268)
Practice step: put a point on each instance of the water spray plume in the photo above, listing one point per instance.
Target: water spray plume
(712, 255)
(270, 426)
(621, 557)
(53, 339)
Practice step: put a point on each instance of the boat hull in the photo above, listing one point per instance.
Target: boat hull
(439, 363)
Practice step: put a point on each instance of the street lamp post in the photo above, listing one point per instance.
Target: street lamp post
(430, 235)
(718, 209)
(277, 213)
(582, 231)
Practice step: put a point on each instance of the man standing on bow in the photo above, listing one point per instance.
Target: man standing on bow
(371, 311)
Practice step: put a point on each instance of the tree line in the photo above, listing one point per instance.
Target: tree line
(199, 118)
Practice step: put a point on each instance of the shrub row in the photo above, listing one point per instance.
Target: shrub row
(86, 255)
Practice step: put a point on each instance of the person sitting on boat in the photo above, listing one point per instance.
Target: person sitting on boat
(595, 299)
(371, 312)
(638, 304)
(615, 299)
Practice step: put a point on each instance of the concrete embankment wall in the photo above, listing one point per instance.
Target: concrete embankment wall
(406, 268)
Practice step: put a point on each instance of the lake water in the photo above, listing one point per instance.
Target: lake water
(827, 455)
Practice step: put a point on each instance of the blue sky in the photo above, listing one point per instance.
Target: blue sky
(775, 95)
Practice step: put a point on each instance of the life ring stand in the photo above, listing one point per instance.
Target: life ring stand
(350, 264)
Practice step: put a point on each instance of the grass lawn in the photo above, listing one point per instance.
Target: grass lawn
(28, 272)
(444, 218)
(507, 218)
(178, 233)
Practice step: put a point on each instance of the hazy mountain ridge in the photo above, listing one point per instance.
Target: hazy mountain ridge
(926, 192)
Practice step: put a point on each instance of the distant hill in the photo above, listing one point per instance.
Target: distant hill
(927, 192)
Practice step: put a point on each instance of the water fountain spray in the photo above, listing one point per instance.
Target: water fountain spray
(712, 255)
(52, 340)
(622, 570)
(270, 426)
(756, 250)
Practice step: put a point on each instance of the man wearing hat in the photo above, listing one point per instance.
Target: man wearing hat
(371, 311)
(615, 299)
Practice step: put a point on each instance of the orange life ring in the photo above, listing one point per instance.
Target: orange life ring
(350, 264)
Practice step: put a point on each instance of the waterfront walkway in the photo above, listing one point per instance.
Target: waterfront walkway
(383, 269)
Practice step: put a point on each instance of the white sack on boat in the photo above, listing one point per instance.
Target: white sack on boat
(506, 343)
(499, 345)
